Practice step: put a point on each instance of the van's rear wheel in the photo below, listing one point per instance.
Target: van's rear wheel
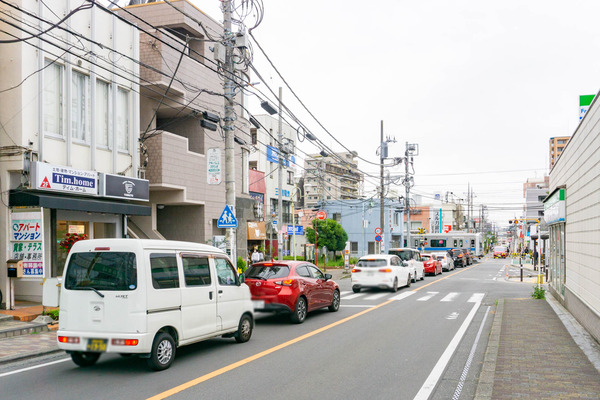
(162, 353)
(84, 359)
(244, 331)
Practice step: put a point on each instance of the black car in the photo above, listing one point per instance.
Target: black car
(459, 257)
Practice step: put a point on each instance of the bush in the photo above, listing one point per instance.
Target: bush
(298, 258)
(538, 293)
(53, 314)
(241, 265)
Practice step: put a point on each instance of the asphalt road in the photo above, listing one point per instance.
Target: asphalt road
(426, 341)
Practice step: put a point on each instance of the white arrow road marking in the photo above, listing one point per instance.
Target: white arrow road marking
(454, 315)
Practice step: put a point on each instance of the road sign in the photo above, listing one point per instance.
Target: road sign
(322, 215)
(227, 219)
(378, 231)
(378, 238)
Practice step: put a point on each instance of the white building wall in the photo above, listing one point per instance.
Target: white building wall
(578, 168)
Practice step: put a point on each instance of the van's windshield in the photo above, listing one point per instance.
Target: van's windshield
(405, 255)
(101, 271)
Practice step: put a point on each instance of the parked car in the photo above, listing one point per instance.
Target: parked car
(412, 258)
(446, 259)
(458, 256)
(382, 271)
(500, 252)
(295, 287)
(432, 264)
(146, 298)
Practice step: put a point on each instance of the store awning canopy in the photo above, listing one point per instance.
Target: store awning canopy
(28, 198)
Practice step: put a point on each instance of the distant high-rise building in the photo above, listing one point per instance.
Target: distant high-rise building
(557, 144)
(331, 177)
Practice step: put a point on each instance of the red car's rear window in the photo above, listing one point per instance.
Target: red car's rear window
(267, 272)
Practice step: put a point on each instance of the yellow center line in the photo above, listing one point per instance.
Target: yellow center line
(231, 367)
(255, 357)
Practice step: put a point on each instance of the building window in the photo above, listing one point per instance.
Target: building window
(80, 106)
(122, 112)
(290, 180)
(53, 99)
(103, 123)
(253, 135)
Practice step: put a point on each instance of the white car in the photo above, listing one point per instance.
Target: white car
(384, 271)
(444, 257)
(412, 259)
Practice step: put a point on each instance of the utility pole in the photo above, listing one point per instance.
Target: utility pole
(407, 195)
(381, 191)
(280, 190)
(229, 118)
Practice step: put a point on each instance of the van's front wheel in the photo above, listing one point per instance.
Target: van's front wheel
(84, 359)
(244, 331)
(163, 352)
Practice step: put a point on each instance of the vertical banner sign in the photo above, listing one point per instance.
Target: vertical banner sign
(584, 104)
(27, 241)
(213, 166)
(436, 224)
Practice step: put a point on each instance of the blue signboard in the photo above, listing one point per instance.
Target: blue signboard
(299, 230)
(273, 156)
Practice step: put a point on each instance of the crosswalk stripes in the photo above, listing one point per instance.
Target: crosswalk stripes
(427, 296)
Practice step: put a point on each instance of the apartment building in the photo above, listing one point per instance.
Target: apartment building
(331, 177)
(181, 91)
(557, 144)
(68, 137)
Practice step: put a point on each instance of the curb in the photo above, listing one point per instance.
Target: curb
(485, 384)
(24, 356)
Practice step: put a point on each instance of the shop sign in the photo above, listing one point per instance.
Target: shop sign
(213, 166)
(27, 241)
(124, 187)
(295, 230)
(554, 207)
(64, 179)
(256, 230)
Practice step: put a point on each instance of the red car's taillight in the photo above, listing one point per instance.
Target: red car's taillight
(287, 282)
(385, 270)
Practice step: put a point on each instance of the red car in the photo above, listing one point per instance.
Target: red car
(432, 264)
(295, 287)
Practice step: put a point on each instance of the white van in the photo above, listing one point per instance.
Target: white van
(148, 297)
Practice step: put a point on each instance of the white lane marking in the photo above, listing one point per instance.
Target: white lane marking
(376, 296)
(18, 371)
(438, 370)
(345, 292)
(402, 295)
(450, 296)
(429, 296)
(352, 296)
(463, 376)
(476, 298)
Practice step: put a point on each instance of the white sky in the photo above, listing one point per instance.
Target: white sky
(480, 85)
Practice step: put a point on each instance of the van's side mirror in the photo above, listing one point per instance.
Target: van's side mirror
(405, 263)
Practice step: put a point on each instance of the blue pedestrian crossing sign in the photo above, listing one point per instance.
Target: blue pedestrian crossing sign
(227, 219)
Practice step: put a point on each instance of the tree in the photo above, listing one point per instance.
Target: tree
(329, 234)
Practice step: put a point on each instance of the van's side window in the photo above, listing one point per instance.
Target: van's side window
(195, 270)
(225, 272)
(164, 271)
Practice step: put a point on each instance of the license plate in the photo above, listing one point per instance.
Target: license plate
(96, 345)
(258, 303)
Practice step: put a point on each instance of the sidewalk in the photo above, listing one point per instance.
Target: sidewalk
(532, 355)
